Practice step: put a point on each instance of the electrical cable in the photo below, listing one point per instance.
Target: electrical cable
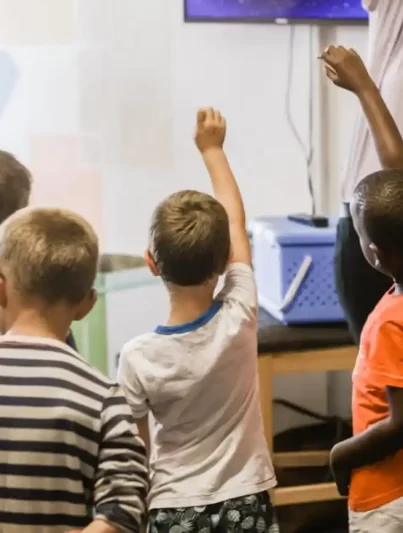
(307, 151)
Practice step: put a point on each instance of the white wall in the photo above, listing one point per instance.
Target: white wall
(241, 69)
(341, 111)
(99, 98)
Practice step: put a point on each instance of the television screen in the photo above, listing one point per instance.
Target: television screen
(275, 10)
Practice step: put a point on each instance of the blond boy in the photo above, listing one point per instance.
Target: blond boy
(68, 444)
(197, 373)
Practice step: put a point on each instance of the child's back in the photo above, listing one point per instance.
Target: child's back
(69, 454)
(210, 466)
(200, 381)
(53, 410)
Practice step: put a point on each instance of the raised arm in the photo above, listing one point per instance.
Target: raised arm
(346, 69)
(209, 137)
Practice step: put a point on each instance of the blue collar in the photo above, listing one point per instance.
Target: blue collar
(193, 324)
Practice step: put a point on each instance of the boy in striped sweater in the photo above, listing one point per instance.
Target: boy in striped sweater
(70, 457)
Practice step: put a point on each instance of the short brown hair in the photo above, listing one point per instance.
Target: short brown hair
(15, 185)
(190, 239)
(50, 254)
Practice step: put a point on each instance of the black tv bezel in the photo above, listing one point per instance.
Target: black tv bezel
(277, 21)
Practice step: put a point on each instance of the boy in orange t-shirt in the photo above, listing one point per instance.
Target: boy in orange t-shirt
(368, 467)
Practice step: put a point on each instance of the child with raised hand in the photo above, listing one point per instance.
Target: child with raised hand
(70, 455)
(197, 374)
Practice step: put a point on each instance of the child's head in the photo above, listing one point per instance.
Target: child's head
(190, 241)
(377, 211)
(48, 264)
(15, 185)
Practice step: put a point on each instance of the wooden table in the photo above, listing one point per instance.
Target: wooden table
(288, 350)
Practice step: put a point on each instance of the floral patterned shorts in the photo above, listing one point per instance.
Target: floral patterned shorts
(249, 514)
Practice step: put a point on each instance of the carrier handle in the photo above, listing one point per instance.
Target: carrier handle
(296, 283)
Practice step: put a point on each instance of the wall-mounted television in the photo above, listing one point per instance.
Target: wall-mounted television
(277, 11)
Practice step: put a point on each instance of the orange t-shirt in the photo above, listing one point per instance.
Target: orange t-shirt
(379, 365)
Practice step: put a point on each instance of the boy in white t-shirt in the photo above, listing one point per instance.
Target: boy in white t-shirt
(197, 374)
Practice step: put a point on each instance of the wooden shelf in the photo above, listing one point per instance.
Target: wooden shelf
(270, 365)
(301, 459)
(319, 492)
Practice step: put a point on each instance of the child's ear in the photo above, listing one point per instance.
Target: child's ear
(86, 305)
(3, 292)
(230, 257)
(377, 255)
(149, 259)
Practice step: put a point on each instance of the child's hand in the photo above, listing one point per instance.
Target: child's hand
(342, 480)
(210, 130)
(341, 474)
(345, 68)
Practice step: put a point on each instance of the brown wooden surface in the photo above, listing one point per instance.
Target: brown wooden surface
(271, 364)
(275, 337)
(319, 492)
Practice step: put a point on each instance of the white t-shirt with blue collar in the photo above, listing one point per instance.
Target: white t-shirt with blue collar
(199, 380)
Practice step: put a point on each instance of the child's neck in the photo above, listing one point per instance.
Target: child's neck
(188, 303)
(30, 323)
(398, 287)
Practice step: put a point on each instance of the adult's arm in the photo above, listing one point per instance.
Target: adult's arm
(370, 5)
(347, 70)
(386, 135)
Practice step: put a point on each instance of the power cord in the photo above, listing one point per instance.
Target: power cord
(307, 151)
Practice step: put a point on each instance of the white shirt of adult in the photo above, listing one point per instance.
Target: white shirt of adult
(385, 63)
(200, 382)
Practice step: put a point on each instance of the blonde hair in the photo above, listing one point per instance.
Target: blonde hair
(51, 254)
(190, 240)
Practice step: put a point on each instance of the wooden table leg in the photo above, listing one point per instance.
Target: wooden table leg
(266, 397)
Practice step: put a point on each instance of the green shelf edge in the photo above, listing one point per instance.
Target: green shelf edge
(91, 333)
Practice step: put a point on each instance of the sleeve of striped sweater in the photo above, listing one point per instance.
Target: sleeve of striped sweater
(121, 483)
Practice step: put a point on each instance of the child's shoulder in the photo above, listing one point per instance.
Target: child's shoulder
(143, 357)
(141, 346)
(85, 367)
(86, 373)
(390, 307)
(385, 320)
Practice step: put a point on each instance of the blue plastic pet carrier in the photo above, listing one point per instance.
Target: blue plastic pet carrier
(294, 270)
